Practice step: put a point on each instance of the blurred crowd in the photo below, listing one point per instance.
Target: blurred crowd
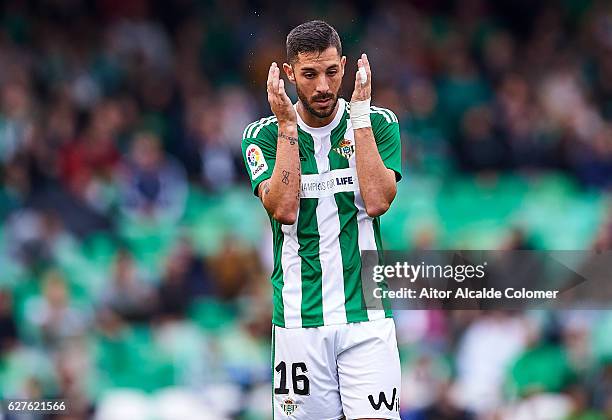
(121, 121)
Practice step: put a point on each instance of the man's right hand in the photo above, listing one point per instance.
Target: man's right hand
(277, 97)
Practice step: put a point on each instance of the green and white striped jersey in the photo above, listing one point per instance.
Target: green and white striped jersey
(317, 265)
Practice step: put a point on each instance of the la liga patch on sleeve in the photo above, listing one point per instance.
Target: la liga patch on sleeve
(256, 161)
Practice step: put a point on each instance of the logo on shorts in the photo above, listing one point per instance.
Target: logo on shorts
(382, 399)
(256, 161)
(289, 406)
(346, 148)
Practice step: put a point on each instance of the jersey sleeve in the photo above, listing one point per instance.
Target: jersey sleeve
(259, 151)
(385, 127)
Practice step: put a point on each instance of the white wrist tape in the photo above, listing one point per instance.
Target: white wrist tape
(360, 114)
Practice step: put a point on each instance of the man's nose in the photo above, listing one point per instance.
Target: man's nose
(322, 85)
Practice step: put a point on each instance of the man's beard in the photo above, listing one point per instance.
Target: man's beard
(306, 104)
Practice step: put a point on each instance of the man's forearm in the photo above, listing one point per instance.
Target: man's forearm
(376, 182)
(280, 195)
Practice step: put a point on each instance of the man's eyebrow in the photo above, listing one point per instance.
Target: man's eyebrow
(305, 69)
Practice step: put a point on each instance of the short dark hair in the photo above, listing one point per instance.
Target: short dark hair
(313, 36)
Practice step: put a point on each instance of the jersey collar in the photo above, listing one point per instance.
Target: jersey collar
(326, 128)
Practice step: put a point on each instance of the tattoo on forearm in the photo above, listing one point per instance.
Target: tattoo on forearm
(265, 189)
(292, 140)
(285, 179)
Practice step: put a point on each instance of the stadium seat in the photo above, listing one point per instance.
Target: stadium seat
(124, 404)
(179, 403)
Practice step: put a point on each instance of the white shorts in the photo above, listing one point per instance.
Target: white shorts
(325, 373)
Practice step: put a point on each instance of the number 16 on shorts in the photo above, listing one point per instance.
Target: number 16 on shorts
(299, 381)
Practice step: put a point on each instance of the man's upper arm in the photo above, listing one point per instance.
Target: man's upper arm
(259, 151)
(386, 131)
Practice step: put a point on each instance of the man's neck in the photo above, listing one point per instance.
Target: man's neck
(312, 120)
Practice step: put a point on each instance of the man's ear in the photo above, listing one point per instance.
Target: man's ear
(342, 63)
(289, 72)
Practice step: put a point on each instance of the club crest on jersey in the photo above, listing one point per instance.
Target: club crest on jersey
(289, 406)
(346, 148)
(256, 161)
